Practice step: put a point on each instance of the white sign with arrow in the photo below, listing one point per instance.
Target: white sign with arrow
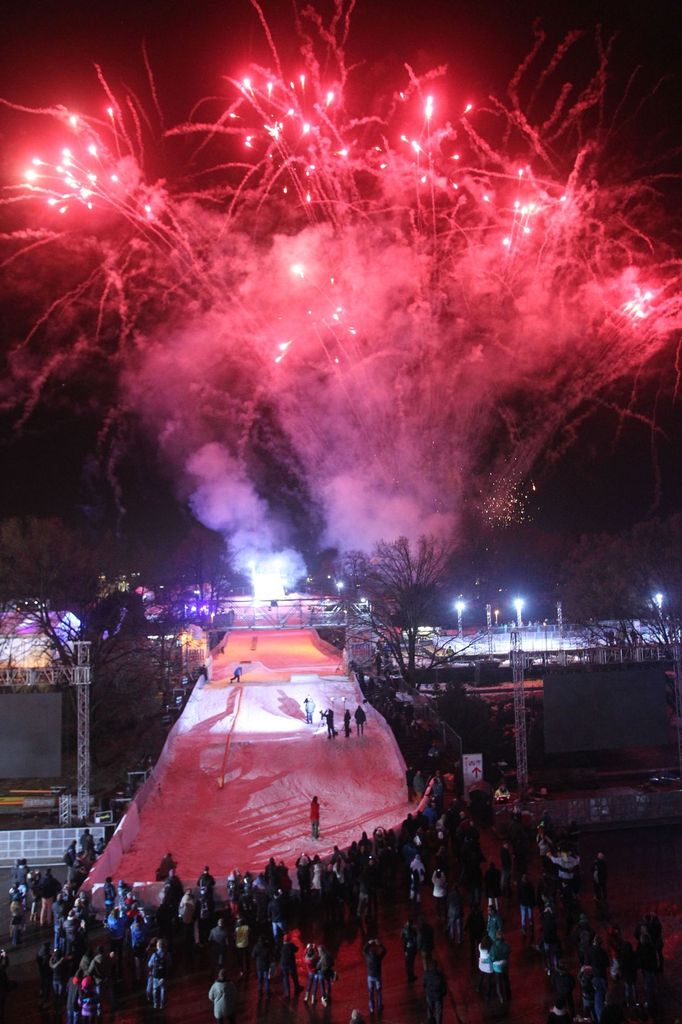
(472, 770)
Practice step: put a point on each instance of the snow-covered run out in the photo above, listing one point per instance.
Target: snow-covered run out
(255, 736)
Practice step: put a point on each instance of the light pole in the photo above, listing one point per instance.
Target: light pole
(460, 608)
(658, 601)
(518, 604)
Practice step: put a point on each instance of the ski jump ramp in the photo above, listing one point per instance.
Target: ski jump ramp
(234, 781)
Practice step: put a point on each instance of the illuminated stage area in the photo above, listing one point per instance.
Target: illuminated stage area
(254, 738)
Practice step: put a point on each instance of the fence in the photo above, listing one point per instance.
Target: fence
(606, 810)
(42, 847)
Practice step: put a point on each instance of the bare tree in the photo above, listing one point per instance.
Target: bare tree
(58, 581)
(403, 586)
(627, 588)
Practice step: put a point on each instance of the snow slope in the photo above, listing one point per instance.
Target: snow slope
(254, 737)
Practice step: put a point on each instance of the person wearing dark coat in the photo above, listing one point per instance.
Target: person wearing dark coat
(262, 958)
(165, 867)
(374, 953)
(165, 919)
(287, 963)
(600, 872)
(173, 890)
(492, 885)
(599, 962)
(329, 716)
(409, 940)
(218, 939)
(526, 893)
(73, 991)
(346, 723)
(45, 973)
(49, 890)
(360, 719)
(564, 984)
(435, 990)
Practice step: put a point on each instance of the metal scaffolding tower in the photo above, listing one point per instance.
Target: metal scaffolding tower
(81, 680)
(677, 662)
(489, 627)
(517, 661)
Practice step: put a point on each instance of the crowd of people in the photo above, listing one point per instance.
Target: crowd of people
(254, 926)
(263, 928)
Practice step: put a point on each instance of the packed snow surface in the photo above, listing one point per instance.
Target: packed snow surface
(254, 738)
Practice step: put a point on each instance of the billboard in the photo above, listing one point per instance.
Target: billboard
(605, 710)
(30, 735)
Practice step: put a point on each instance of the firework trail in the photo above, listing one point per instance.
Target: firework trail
(343, 325)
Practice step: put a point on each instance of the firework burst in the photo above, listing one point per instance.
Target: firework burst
(348, 318)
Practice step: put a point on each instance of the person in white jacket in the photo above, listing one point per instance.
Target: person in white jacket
(440, 892)
(223, 995)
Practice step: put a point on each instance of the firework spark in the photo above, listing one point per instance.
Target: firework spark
(388, 309)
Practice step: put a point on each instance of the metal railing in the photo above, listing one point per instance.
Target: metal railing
(609, 809)
(42, 847)
(285, 613)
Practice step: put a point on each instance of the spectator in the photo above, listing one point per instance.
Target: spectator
(287, 963)
(223, 995)
(218, 940)
(49, 890)
(409, 939)
(158, 967)
(315, 818)
(435, 990)
(374, 953)
(165, 867)
(262, 958)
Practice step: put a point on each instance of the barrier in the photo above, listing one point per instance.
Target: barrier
(41, 847)
(129, 825)
(608, 810)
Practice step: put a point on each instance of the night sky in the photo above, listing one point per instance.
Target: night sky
(59, 460)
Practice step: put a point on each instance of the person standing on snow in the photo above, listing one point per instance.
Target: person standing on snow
(331, 731)
(346, 723)
(315, 818)
(237, 677)
(309, 708)
(360, 719)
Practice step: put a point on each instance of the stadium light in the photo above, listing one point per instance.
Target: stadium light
(459, 606)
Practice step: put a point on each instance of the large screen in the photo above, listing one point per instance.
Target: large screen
(605, 710)
(30, 735)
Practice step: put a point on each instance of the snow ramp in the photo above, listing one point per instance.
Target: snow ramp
(233, 784)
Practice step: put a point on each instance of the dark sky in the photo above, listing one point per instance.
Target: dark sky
(609, 479)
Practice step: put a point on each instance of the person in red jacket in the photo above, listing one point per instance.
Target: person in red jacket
(315, 818)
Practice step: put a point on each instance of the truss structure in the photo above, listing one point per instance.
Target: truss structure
(677, 661)
(517, 661)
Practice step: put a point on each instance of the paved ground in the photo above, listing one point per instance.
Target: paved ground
(645, 870)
